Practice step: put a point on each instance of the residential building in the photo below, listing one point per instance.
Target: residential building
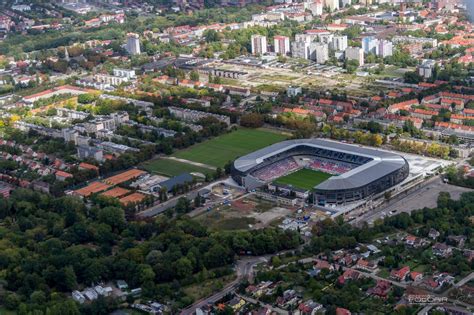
(332, 5)
(85, 152)
(195, 115)
(282, 45)
(125, 73)
(133, 44)
(426, 68)
(78, 297)
(259, 44)
(292, 91)
(441, 249)
(355, 53)
(370, 45)
(320, 52)
(385, 48)
(300, 49)
(400, 274)
(339, 43)
(433, 42)
(315, 6)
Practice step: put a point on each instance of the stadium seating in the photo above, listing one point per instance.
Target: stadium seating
(331, 167)
(332, 162)
(277, 169)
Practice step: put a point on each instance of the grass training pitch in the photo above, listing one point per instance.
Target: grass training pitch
(219, 150)
(172, 168)
(304, 178)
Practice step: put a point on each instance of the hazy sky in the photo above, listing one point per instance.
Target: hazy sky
(470, 8)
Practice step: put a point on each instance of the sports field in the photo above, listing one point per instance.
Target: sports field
(172, 168)
(304, 178)
(219, 150)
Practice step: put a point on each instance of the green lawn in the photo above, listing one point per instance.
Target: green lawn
(218, 151)
(172, 168)
(304, 178)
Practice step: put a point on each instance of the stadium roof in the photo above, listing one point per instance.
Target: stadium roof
(382, 163)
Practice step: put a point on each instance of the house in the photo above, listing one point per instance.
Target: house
(78, 297)
(322, 264)
(90, 294)
(441, 249)
(289, 297)
(309, 308)
(103, 291)
(416, 276)
(236, 303)
(87, 166)
(349, 274)
(429, 284)
(469, 254)
(262, 311)
(443, 279)
(400, 274)
(342, 311)
(433, 234)
(413, 241)
(122, 285)
(62, 176)
(373, 249)
(366, 265)
(347, 260)
(381, 289)
(457, 240)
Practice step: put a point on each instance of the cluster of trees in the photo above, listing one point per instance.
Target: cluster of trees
(457, 176)
(401, 58)
(72, 246)
(425, 148)
(252, 120)
(367, 138)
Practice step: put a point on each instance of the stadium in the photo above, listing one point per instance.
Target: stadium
(336, 173)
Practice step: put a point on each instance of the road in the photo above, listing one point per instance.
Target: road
(244, 270)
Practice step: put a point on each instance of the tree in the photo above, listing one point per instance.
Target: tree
(412, 77)
(86, 98)
(112, 216)
(184, 268)
(11, 301)
(182, 206)
(251, 120)
(194, 76)
(351, 65)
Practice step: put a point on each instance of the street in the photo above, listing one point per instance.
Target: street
(244, 270)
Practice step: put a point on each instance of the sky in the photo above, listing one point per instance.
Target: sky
(470, 8)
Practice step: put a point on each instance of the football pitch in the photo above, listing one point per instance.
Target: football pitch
(219, 150)
(304, 179)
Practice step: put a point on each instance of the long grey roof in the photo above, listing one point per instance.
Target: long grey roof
(382, 163)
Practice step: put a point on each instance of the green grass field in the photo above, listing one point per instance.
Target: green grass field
(304, 178)
(172, 168)
(218, 151)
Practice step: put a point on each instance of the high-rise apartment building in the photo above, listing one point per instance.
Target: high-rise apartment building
(133, 44)
(259, 44)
